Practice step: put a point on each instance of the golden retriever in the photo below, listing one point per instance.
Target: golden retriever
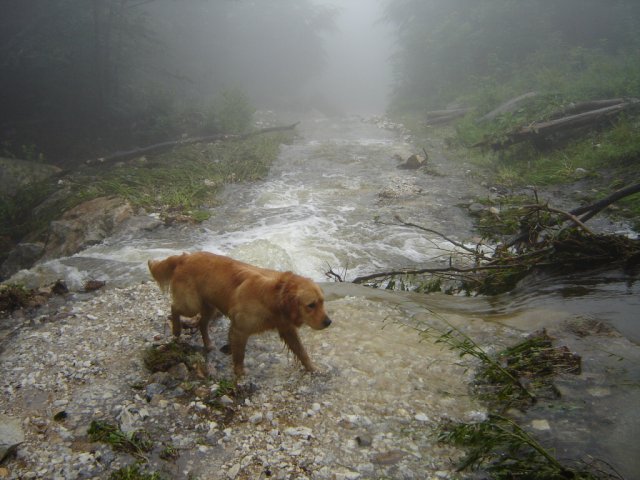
(255, 300)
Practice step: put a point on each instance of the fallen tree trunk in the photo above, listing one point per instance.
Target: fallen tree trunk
(582, 107)
(507, 107)
(538, 130)
(164, 146)
(436, 117)
(578, 216)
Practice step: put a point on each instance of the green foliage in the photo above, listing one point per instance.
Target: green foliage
(81, 82)
(504, 450)
(14, 297)
(137, 443)
(493, 370)
(233, 112)
(498, 446)
(134, 472)
(451, 49)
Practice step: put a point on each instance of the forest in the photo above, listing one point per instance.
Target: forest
(85, 78)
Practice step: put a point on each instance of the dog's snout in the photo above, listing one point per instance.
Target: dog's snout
(326, 323)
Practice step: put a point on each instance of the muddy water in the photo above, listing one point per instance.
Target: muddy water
(327, 203)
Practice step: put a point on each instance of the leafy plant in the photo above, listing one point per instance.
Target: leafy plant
(504, 450)
(136, 443)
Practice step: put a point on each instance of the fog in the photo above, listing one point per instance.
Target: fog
(331, 56)
(357, 74)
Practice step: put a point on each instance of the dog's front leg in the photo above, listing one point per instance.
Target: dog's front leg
(291, 338)
(238, 344)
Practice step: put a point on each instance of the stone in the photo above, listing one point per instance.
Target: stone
(541, 425)
(24, 255)
(388, 458)
(11, 435)
(413, 162)
(85, 225)
(364, 440)
(256, 418)
(421, 417)
(179, 372)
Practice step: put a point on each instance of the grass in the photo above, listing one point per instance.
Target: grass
(498, 447)
(505, 451)
(136, 443)
(188, 179)
(134, 472)
(183, 182)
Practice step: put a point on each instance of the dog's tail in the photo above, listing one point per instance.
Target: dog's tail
(162, 270)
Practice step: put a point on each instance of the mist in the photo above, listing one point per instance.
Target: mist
(357, 75)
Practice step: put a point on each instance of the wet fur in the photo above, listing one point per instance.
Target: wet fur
(255, 300)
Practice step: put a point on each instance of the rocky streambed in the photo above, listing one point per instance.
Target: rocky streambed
(369, 412)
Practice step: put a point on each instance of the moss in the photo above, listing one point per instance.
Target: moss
(14, 297)
(160, 358)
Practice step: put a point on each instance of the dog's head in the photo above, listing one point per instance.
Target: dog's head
(306, 303)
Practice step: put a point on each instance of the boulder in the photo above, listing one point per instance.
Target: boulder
(414, 162)
(16, 174)
(24, 255)
(11, 435)
(85, 225)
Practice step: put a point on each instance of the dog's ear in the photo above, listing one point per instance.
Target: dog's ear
(288, 298)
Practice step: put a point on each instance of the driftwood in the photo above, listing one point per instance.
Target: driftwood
(578, 216)
(582, 107)
(164, 146)
(507, 107)
(539, 251)
(540, 130)
(436, 117)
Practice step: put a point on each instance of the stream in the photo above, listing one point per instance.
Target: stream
(329, 203)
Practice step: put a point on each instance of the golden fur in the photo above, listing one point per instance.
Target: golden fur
(255, 300)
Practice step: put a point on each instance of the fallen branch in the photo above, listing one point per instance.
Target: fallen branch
(581, 214)
(436, 117)
(538, 130)
(507, 107)
(450, 269)
(435, 232)
(164, 146)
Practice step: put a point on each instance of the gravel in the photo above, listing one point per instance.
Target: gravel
(369, 412)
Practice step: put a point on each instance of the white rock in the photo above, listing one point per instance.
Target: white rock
(421, 417)
(233, 471)
(256, 418)
(540, 424)
(303, 432)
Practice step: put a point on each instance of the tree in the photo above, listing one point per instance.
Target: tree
(446, 46)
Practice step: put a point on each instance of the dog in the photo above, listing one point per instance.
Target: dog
(255, 300)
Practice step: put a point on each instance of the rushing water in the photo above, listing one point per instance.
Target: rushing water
(329, 202)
